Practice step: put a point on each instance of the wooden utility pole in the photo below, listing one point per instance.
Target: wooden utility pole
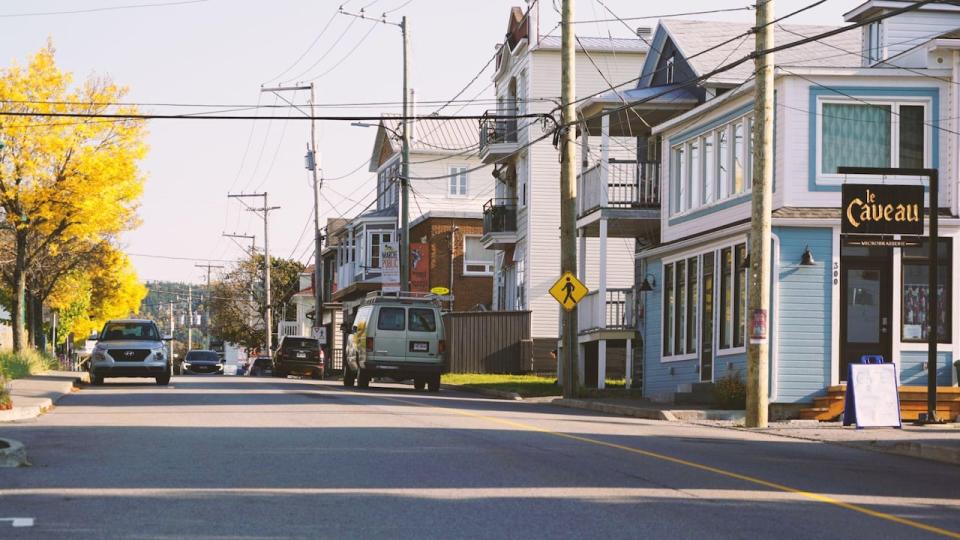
(206, 305)
(189, 317)
(405, 164)
(264, 212)
(568, 194)
(758, 351)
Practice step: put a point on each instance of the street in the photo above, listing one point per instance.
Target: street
(241, 457)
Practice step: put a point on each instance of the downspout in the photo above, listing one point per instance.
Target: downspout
(954, 196)
(453, 246)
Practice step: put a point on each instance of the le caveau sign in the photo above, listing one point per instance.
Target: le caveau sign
(882, 209)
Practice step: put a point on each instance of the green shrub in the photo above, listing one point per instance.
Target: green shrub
(5, 402)
(729, 392)
(23, 364)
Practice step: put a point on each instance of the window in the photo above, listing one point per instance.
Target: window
(916, 292)
(726, 298)
(711, 168)
(458, 182)
(681, 307)
(129, 330)
(873, 43)
(422, 320)
(739, 295)
(671, 70)
(669, 306)
(391, 318)
(476, 259)
(377, 240)
(881, 134)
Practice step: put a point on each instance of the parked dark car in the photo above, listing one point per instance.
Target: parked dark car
(298, 356)
(200, 361)
(261, 366)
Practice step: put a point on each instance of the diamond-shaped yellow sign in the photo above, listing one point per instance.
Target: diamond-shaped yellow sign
(568, 290)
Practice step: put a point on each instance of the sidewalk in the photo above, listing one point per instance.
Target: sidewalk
(34, 395)
(934, 442)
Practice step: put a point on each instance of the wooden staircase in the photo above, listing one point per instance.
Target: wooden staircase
(913, 401)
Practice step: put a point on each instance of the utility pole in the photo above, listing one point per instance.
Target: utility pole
(404, 26)
(189, 317)
(206, 305)
(264, 211)
(758, 352)
(405, 164)
(252, 238)
(568, 194)
(311, 162)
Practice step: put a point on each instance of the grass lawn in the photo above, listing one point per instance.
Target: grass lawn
(17, 366)
(524, 385)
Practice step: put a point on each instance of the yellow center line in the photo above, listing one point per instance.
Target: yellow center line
(826, 499)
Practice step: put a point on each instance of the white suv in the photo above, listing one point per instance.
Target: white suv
(130, 348)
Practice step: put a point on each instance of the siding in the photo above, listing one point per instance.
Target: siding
(659, 383)
(803, 331)
(913, 374)
(909, 30)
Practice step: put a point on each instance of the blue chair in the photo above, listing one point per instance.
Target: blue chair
(871, 359)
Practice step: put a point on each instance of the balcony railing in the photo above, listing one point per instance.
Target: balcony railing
(500, 215)
(494, 129)
(629, 184)
(616, 313)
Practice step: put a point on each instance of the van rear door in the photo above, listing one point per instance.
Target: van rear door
(423, 335)
(389, 338)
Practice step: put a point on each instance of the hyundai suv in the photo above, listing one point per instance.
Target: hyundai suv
(130, 348)
(298, 356)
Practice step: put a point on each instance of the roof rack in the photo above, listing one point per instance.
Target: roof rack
(402, 296)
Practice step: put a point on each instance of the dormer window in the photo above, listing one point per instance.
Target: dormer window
(670, 70)
(873, 42)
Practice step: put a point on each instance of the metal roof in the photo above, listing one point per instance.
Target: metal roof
(599, 44)
(696, 37)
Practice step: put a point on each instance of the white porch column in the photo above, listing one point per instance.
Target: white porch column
(582, 256)
(602, 289)
(584, 165)
(604, 159)
(602, 364)
(629, 365)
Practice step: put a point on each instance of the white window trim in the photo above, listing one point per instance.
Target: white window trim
(489, 264)
(824, 179)
(368, 263)
(462, 169)
(715, 248)
(694, 193)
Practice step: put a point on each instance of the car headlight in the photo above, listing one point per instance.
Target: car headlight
(159, 354)
(99, 355)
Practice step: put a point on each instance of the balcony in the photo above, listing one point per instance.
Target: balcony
(615, 315)
(499, 223)
(498, 136)
(625, 191)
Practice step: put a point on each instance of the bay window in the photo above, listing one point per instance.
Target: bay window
(915, 292)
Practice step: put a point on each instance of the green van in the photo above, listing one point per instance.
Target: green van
(399, 336)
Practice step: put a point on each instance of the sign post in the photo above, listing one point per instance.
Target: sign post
(885, 204)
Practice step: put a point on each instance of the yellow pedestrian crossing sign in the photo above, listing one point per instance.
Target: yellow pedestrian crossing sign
(568, 290)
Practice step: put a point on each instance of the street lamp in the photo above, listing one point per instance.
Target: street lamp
(404, 201)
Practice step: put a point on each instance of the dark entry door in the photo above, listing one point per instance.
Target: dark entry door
(865, 321)
(706, 321)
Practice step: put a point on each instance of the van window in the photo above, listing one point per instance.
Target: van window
(391, 318)
(422, 320)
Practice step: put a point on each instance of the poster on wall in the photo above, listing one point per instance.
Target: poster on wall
(390, 265)
(419, 267)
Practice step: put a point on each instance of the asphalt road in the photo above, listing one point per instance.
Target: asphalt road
(241, 457)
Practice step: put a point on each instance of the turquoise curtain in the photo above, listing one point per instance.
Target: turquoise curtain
(855, 135)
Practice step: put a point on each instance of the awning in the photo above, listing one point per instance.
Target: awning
(647, 107)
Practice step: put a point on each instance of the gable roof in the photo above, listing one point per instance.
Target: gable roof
(701, 38)
(429, 136)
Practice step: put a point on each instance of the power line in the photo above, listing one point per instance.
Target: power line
(176, 258)
(346, 56)
(327, 52)
(96, 10)
(138, 116)
(310, 48)
(665, 16)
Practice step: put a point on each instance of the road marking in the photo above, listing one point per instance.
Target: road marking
(19, 521)
(818, 497)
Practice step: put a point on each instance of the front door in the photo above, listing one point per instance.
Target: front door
(866, 283)
(706, 321)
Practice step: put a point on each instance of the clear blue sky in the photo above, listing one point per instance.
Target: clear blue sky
(221, 51)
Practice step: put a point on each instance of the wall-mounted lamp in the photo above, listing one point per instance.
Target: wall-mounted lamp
(649, 282)
(807, 258)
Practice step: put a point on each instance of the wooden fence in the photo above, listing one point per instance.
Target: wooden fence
(488, 342)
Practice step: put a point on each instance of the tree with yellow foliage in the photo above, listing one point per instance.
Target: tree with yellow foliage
(63, 182)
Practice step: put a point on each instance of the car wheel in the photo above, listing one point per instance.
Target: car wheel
(317, 375)
(434, 383)
(363, 379)
(419, 383)
(163, 380)
(348, 376)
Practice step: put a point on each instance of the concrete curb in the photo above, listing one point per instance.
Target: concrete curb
(650, 413)
(14, 454)
(35, 395)
(484, 392)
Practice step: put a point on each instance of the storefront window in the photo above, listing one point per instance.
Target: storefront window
(726, 298)
(916, 292)
(669, 301)
(740, 296)
(693, 302)
(680, 334)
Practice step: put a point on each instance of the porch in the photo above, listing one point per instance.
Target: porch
(913, 401)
